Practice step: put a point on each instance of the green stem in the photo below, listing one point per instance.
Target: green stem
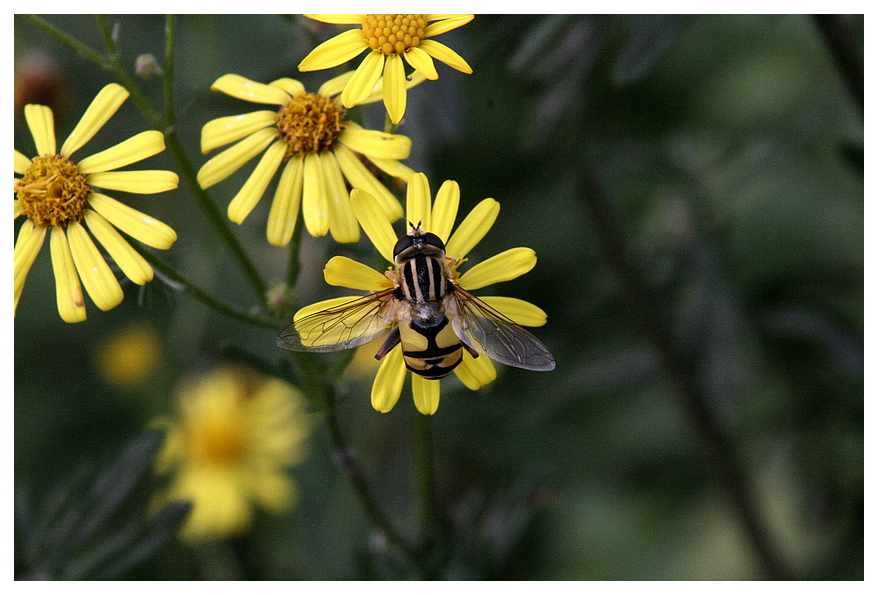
(316, 384)
(74, 44)
(423, 446)
(293, 266)
(168, 78)
(683, 369)
(202, 295)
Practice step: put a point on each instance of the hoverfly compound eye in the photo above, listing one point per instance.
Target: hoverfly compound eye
(431, 239)
(404, 243)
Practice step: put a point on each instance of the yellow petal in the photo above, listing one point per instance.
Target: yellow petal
(445, 209)
(363, 81)
(255, 186)
(42, 127)
(221, 166)
(291, 87)
(445, 23)
(27, 246)
(285, 206)
(135, 182)
(374, 221)
(443, 53)
(473, 228)
(426, 394)
(342, 271)
(417, 202)
(360, 177)
(102, 108)
(414, 79)
(132, 264)
(335, 51)
(228, 129)
(422, 62)
(234, 85)
(338, 19)
(388, 381)
(274, 490)
(21, 163)
(151, 232)
(475, 372)
(397, 170)
(374, 143)
(68, 291)
(507, 265)
(335, 85)
(100, 282)
(322, 305)
(138, 147)
(342, 221)
(520, 311)
(394, 87)
(315, 209)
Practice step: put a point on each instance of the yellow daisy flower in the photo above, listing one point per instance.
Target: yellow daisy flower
(58, 194)
(322, 151)
(390, 37)
(437, 218)
(230, 448)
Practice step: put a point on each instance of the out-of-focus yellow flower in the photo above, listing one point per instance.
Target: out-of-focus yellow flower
(128, 357)
(230, 448)
(318, 151)
(390, 38)
(58, 194)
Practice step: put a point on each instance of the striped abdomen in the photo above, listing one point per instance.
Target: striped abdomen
(431, 351)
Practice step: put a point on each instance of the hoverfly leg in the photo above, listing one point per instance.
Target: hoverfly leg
(470, 350)
(388, 344)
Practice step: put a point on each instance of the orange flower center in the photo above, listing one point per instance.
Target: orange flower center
(310, 123)
(52, 191)
(394, 33)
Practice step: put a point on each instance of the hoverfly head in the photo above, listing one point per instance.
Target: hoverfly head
(418, 241)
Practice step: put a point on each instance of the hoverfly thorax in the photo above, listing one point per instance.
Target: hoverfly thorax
(422, 270)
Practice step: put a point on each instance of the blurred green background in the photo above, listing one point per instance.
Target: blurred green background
(693, 188)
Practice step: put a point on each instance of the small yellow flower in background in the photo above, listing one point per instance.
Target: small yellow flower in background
(231, 447)
(390, 37)
(322, 151)
(129, 357)
(58, 194)
(438, 218)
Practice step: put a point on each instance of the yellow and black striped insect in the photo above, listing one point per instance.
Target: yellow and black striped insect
(434, 318)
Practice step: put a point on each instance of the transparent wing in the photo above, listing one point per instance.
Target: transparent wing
(491, 333)
(345, 326)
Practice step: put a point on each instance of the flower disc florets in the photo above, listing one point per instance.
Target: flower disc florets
(52, 192)
(394, 33)
(310, 123)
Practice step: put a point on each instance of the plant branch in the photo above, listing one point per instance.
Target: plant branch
(682, 369)
(202, 295)
(316, 385)
(839, 33)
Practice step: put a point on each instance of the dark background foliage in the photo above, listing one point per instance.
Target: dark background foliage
(693, 187)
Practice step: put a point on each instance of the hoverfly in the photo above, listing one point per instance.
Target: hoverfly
(430, 314)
